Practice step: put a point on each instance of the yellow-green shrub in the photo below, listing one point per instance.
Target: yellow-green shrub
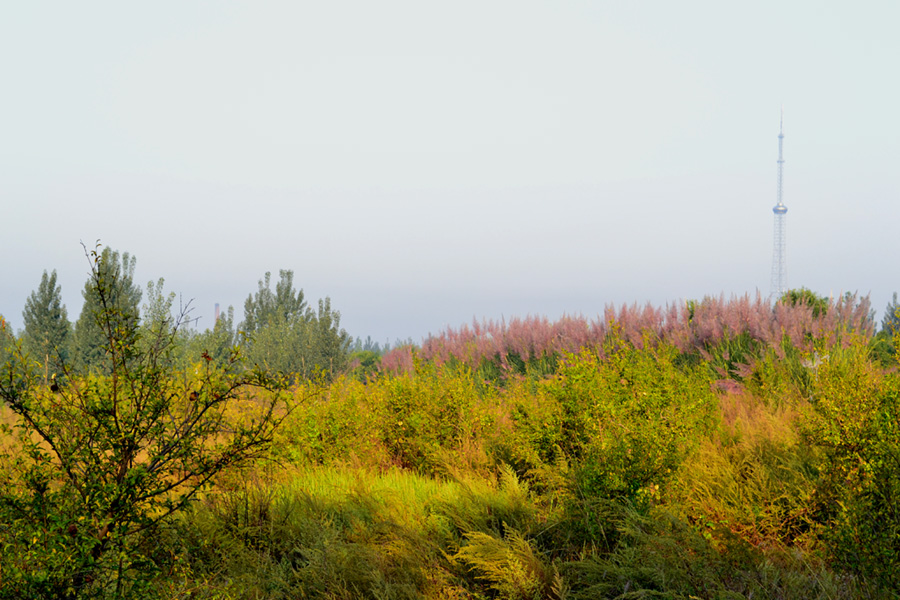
(420, 420)
(856, 420)
(753, 477)
(623, 421)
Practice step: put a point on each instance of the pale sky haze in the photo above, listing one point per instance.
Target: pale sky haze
(426, 163)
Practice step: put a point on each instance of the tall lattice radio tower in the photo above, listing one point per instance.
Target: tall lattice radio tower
(779, 268)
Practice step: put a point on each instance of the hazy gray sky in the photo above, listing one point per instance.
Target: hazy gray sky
(425, 163)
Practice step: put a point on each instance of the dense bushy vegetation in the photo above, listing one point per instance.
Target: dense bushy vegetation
(716, 449)
(736, 329)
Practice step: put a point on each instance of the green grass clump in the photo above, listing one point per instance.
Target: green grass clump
(331, 532)
(663, 556)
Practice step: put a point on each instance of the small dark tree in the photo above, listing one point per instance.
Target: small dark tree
(47, 329)
(890, 323)
(883, 346)
(804, 296)
(92, 467)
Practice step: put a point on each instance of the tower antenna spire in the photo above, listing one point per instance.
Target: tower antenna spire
(779, 267)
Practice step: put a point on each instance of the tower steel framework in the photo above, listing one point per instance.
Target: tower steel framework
(779, 267)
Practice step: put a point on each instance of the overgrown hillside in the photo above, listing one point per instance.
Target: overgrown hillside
(720, 449)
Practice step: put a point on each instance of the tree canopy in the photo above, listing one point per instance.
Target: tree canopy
(47, 329)
(280, 331)
(122, 300)
(287, 336)
(264, 307)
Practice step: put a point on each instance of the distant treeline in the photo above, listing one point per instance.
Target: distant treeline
(281, 332)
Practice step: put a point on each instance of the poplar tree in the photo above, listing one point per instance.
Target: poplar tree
(121, 303)
(288, 336)
(286, 304)
(47, 328)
